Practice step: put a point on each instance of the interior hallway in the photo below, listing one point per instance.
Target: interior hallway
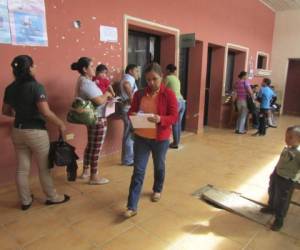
(92, 219)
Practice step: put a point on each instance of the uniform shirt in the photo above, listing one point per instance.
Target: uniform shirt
(87, 90)
(23, 98)
(127, 78)
(265, 95)
(173, 83)
(288, 165)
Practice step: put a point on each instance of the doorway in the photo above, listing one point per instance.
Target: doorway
(292, 89)
(183, 76)
(143, 48)
(207, 85)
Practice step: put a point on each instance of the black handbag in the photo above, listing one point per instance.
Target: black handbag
(61, 153)
(250, 103)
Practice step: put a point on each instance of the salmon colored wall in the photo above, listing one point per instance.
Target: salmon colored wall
(292, 90)
(248, 23)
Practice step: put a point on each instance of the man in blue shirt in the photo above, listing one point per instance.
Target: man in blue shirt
(265, 97)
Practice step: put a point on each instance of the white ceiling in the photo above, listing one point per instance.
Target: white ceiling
(279, 5)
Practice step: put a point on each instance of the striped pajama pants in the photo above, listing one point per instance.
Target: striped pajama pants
(96, 136)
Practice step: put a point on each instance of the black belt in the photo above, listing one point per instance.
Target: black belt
(28, 126)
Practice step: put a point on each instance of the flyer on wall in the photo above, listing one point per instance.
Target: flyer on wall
(4, 23)
(28, 22)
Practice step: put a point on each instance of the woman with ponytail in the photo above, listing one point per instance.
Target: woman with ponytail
(88, 90)
(25, 99)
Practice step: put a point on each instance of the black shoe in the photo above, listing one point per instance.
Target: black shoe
(25, 207)
(129, 165)
(277, 225)
(66, 198)
(240, 133)
(267, 210)
(172, 145)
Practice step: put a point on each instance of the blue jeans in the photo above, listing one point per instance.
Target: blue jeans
(177, 126)
(127, 142)
(142, 149)
(242, 115)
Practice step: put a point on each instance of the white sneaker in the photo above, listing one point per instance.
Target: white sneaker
(84, 176)
(129, 213)
(100, 181)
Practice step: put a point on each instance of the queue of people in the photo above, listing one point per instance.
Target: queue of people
(254, 101)
(25, 100)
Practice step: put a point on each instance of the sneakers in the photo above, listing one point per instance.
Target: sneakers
(267, 210)
(155, 197)
(277, 225)
(129, 213)
(100, 181)
(84, 176)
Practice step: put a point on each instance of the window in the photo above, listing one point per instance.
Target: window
(262, 60)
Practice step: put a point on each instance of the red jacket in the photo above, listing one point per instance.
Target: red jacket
(166, 108)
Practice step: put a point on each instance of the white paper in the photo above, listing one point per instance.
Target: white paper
(141, 121)
(110, 108)
(108, 34)
(4, 23)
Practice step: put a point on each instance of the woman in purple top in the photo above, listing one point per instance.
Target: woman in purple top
(242, 90)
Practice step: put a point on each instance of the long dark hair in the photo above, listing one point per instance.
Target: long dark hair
(21, 66)
(83, 62)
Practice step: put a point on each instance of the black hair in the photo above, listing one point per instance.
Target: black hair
(171, 67)
(100, 68)
(83, 62)
(242, 74)
(267, 81)
(153, 67)
(130, 67)
(21, 68)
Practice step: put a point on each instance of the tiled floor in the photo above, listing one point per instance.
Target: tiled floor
(93, 217)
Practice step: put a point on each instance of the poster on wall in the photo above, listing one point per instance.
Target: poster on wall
(4, 23)
(28, 22)
(108, 34)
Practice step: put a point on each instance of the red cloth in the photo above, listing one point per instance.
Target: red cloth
(102, 83)
(166, 108)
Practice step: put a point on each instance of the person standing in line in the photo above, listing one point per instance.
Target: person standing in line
(26, 100)
(172, 82)
(242, 90)
(128, 87)
(102, 79)
(88, 90)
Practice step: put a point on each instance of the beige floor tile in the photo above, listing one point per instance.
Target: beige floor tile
(292, 225)
(7, 240)
(269, 240)
(33, 225)
(171, 225)
(67, 239)
(102, 226)
(135, 239)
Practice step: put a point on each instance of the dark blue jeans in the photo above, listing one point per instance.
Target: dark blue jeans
(127, 142)
(176, 128)
(142, 149)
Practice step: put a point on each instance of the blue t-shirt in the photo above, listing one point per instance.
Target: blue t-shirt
(265, 94)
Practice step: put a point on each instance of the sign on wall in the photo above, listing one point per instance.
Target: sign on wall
(108, 34)
(4, 23)
(28, 22)
(187, 40)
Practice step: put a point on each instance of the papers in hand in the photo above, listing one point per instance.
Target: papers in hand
(140, 120)
(110, 106)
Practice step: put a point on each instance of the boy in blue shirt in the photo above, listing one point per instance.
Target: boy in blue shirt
(265, 97)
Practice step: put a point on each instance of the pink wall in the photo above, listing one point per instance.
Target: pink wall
(248, 23)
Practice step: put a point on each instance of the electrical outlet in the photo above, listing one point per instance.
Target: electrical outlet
(70, 136)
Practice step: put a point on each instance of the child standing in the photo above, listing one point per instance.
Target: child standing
(102, 80)
(283, 178)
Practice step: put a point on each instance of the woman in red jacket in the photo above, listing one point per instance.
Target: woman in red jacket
(162, 103)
